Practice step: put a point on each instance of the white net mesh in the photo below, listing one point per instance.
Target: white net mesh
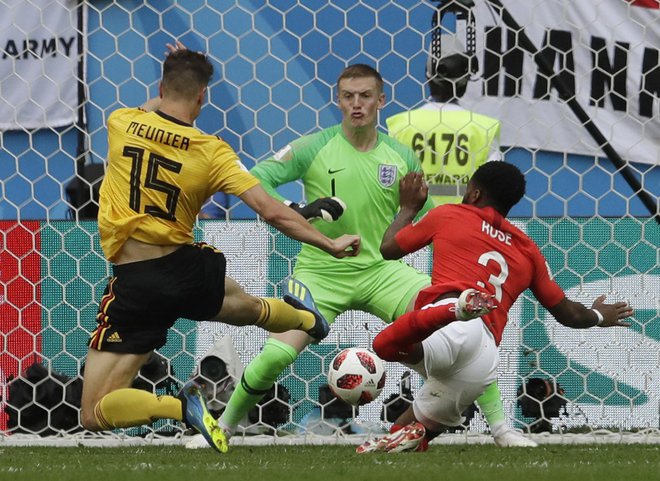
(277, 64)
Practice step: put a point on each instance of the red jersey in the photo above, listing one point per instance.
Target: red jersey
(478, 248)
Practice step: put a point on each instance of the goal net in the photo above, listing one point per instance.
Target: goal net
(591, 202)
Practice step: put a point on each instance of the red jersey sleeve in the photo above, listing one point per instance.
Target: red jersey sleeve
(419, 234)
(544, 288)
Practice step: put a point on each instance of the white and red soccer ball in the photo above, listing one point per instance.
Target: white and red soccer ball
(356, 376)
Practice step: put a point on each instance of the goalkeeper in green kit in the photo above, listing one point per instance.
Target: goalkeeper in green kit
(351, 174)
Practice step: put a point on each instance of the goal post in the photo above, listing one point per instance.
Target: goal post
(276, 68)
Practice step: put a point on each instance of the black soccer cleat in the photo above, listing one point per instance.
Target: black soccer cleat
(297, 295)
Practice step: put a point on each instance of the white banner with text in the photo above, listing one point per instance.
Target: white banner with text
(39, 63)
(607, 54)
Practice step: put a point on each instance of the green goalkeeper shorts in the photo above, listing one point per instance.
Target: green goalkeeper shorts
(384, 289)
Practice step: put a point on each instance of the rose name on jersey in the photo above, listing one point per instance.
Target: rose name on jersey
(496, 234)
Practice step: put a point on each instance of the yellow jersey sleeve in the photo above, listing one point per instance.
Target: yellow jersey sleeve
(160, 171)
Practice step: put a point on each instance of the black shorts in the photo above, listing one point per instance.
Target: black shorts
(143, 299)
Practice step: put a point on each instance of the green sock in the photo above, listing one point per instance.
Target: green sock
(490, 403)
(257, 379)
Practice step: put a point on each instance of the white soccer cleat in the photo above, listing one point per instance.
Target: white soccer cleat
(508, 437)
(473, 303)
(405, 439)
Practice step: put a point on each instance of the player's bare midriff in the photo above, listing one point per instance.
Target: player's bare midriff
(136, 251)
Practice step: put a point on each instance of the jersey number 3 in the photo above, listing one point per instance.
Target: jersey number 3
(151, 181)
(496, 281)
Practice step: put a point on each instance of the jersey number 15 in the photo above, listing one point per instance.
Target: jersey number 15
(151, 181)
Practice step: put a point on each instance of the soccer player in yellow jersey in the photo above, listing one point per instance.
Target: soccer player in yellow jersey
(160, 171)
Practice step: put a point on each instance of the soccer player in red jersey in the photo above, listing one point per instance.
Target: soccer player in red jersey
(481, 264)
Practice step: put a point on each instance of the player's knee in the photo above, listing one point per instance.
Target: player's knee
(240, 309)
(252, 306)
(88, 420)
(384, 348)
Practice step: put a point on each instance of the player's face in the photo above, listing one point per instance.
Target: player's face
(359, 100)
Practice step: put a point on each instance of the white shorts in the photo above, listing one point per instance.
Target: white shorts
(460, 362)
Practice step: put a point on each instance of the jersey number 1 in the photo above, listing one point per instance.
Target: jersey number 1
(151, 181)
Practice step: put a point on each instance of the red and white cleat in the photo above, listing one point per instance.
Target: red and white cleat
(407, 438)
(473, 303)
(372, 446)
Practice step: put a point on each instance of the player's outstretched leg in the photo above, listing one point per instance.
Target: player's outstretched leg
(297, 295)
(473, 303)
(405, 439)
(396, 341)
(196, 415)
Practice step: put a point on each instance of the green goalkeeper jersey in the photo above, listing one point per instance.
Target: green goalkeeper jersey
(367, 182)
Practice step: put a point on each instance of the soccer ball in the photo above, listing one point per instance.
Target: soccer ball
(356, 376)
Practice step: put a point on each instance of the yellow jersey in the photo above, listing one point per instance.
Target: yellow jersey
(160, 171)
(451, 144)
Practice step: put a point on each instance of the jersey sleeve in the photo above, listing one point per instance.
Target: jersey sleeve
(428, 205)
(420, 234)
(544, 288)
(228, 174)
(287, 165)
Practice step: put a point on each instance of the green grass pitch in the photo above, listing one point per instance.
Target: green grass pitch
(624, 462)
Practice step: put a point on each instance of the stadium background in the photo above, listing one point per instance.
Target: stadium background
(276, 65)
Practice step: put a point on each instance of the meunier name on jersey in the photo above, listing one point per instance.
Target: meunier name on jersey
(150, 132)
(495, 233)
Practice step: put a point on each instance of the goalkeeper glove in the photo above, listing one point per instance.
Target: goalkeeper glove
(327, 208)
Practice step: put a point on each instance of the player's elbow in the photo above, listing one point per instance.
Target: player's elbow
(272, 211)
(278, 221)
(269, 209)
(271, 216)
(389, 252)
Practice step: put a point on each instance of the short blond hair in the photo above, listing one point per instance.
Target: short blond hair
(361, 70)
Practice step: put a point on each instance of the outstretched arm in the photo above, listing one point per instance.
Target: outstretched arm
(576, 315)
(413, 192)
(294, 225)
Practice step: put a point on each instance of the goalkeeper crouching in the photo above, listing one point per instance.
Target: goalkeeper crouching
(351, 175)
